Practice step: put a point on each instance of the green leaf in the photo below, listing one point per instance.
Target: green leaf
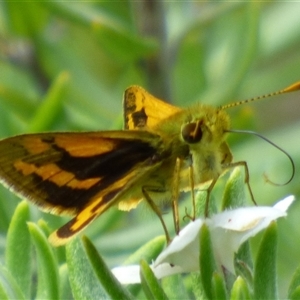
(294, 287)
(207, 262)
(201, 199)
(43, 225)
(265, 286)
(83, 280)
(240, 290)
(18, 249)
(148, 252)
(112, 286)
(17, 101)
(58, 251)
(295, 294)
(239, 59)
(244, 58)
(51, 105)
(218, 287)
(9, 288)
(234, 192)
(48, 283)
(64, 283)
(112, 34)
(243, 263)
(25, 19)
(174, 287)
(150, 284)
(233, 197)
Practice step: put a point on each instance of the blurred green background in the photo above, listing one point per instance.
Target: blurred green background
(65, 65)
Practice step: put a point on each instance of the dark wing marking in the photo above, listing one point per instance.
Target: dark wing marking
(142, 110)
(62, 176)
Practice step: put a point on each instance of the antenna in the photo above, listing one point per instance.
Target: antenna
(292, 88)
(274, 145)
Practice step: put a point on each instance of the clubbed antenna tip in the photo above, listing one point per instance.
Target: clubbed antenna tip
(292, 88)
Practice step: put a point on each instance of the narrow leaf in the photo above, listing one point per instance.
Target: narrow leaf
(265, 286)
(83, 280)
(295, 295)
(240, 290)
(48, 287)
(51, 105)
(201, 203)
(112, 286)
(243, 263)
(206, 259)
(294, 287)
(18, 249)
(234, 197)
(113, 35)
(218, 287)
(234, 193)
(64, 283)
(9, 288)
(148, 252)
(174, 287)
(150, 284)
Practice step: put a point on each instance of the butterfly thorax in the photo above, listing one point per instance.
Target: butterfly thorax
(197, 137)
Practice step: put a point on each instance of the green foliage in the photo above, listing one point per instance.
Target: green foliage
(48, 283)
(150, 284)
(50, 106)
(294, 288)
(206, 261)
(64, 66)
(83, 280)
(240, 290)
(18, 249)
(218, 287)
(113, 288)
(85, 275)
(265, 285)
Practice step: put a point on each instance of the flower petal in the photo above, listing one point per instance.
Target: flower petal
(187, 242)
(229, 230)
(127, 274)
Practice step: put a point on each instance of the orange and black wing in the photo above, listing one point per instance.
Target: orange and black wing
(79, 174)
(142, 110)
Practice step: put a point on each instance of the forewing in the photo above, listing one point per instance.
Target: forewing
(142, 110)
(64, 172)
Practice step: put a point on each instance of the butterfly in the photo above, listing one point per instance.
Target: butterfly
(162, 151)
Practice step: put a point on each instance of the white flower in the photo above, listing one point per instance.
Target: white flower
(228, 230)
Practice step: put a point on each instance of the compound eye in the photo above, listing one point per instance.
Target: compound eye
(191, 133)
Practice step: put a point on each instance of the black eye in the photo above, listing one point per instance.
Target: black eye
(191, 133)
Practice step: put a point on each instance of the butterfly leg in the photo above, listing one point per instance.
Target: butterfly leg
(247, 181)
(208, 191)
(192, 185)
(175, 194)
(155, 208)
(191, 169)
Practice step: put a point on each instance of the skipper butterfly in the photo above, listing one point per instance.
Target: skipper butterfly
(162, 151)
